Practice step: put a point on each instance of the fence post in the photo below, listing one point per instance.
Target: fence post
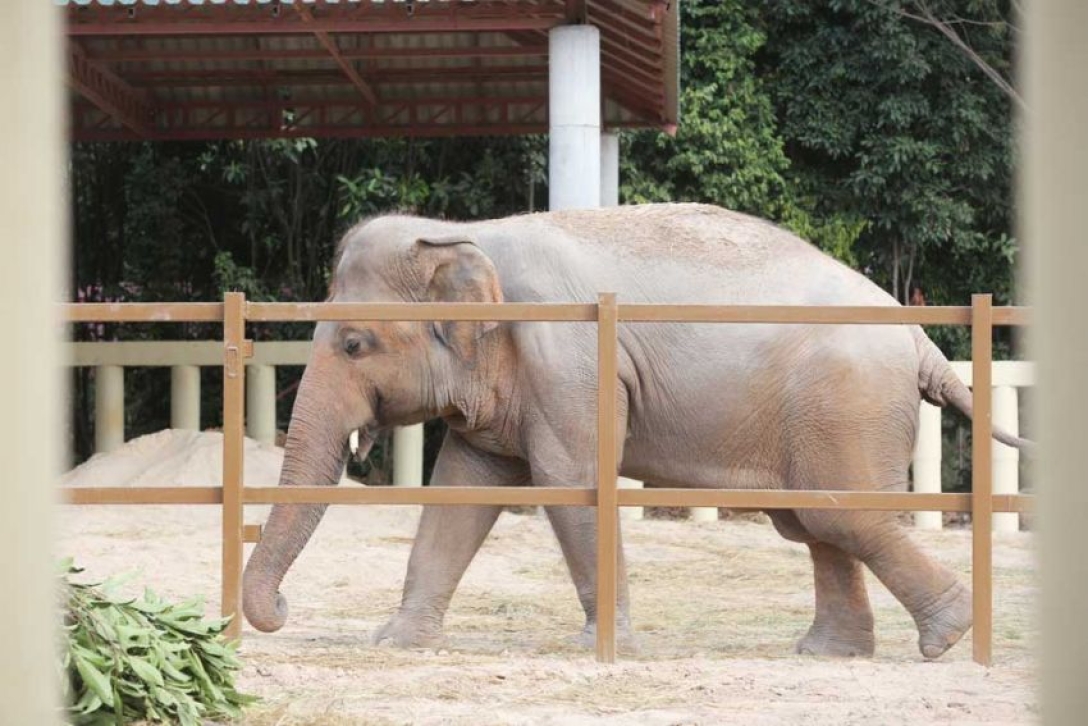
(261, 403)
(185, 397)
(607, 500)
(926, 465)
(408, 456)
(109, 408)
(234, 387)
(1006, 458)
(982, 503)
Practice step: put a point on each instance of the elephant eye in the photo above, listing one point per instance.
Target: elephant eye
(358, 343)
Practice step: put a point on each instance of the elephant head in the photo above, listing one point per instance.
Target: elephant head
(366, 376)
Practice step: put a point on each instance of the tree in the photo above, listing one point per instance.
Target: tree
(886, 120)
(728, 149)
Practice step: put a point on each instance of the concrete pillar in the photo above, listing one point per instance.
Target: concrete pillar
(261, 403)
(109, 408)
(34, 206)
(1053, 190)
(574, 113)
(1006, 459)
(185, 397)
(610, 169)
(408, 456)
(927, 463)
(630, 513)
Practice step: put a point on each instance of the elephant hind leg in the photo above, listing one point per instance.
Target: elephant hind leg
(939, 603)
(844, 619)
(843, 626)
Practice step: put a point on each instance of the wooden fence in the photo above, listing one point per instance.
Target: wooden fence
(235, 312)
(185, 358)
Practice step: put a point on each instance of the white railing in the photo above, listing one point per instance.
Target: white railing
(185, 358)
(1008, 378)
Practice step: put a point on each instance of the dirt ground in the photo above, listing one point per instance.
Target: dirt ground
(716, 608)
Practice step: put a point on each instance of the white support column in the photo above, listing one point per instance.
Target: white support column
(630, 513)
(109, 408)
(1006, 459)
(185, 397)
(927, 463)
(261, 403)
(610, 169)
(408, 456)
(704, 514)
(574, 113)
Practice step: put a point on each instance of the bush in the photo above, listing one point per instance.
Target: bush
(128, 659)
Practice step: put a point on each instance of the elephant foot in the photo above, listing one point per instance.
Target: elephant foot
(837, 643)
(625, 638)
(947, 624)
(404, 632)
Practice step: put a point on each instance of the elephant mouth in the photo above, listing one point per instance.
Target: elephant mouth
(377, 408)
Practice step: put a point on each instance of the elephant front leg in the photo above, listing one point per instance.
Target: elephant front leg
(576, 529)
(447, 540)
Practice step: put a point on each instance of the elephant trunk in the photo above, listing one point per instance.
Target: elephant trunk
(314, 456)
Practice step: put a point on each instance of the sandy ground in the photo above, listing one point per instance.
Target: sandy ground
(716, 608)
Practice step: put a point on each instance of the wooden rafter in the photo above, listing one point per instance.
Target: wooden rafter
(330, 45)
(108, 92)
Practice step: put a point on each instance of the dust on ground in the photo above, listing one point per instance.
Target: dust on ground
(716, 609)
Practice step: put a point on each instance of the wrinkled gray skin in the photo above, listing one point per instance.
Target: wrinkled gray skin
(711, 405)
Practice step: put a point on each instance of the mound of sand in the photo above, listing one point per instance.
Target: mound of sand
(176, 458)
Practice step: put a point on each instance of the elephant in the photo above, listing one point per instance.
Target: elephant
(752, 406)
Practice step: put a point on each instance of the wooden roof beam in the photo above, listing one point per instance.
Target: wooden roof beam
(576, 12)
(109, 92)
(330, 45)
(124, 55)
(430, 24)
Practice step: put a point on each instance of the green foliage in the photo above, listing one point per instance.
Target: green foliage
(885, 120)
(728, 149)
(128, 659)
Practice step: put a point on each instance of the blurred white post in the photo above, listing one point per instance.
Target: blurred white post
(185, 397)
(34, 206)
(630, 513)
(1006, 459)
(408, 456)
(1053, 190)
(927, 463)
(574, 117)
(261, 403)
(109, 408)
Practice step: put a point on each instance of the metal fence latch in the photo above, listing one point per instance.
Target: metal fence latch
(233, 361)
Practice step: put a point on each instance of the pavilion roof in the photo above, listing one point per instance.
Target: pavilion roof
(203, 69)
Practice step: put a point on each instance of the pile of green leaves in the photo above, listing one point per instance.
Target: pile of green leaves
(127, 659)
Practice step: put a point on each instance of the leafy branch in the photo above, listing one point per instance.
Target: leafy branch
(126, 659)
(924, 14)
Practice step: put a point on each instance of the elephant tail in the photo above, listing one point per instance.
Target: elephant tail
(940, 385)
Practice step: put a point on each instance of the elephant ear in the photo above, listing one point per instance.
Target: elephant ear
(456, 270)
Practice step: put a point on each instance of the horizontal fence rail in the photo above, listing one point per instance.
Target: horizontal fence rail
(553, 496)
(236, 351)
